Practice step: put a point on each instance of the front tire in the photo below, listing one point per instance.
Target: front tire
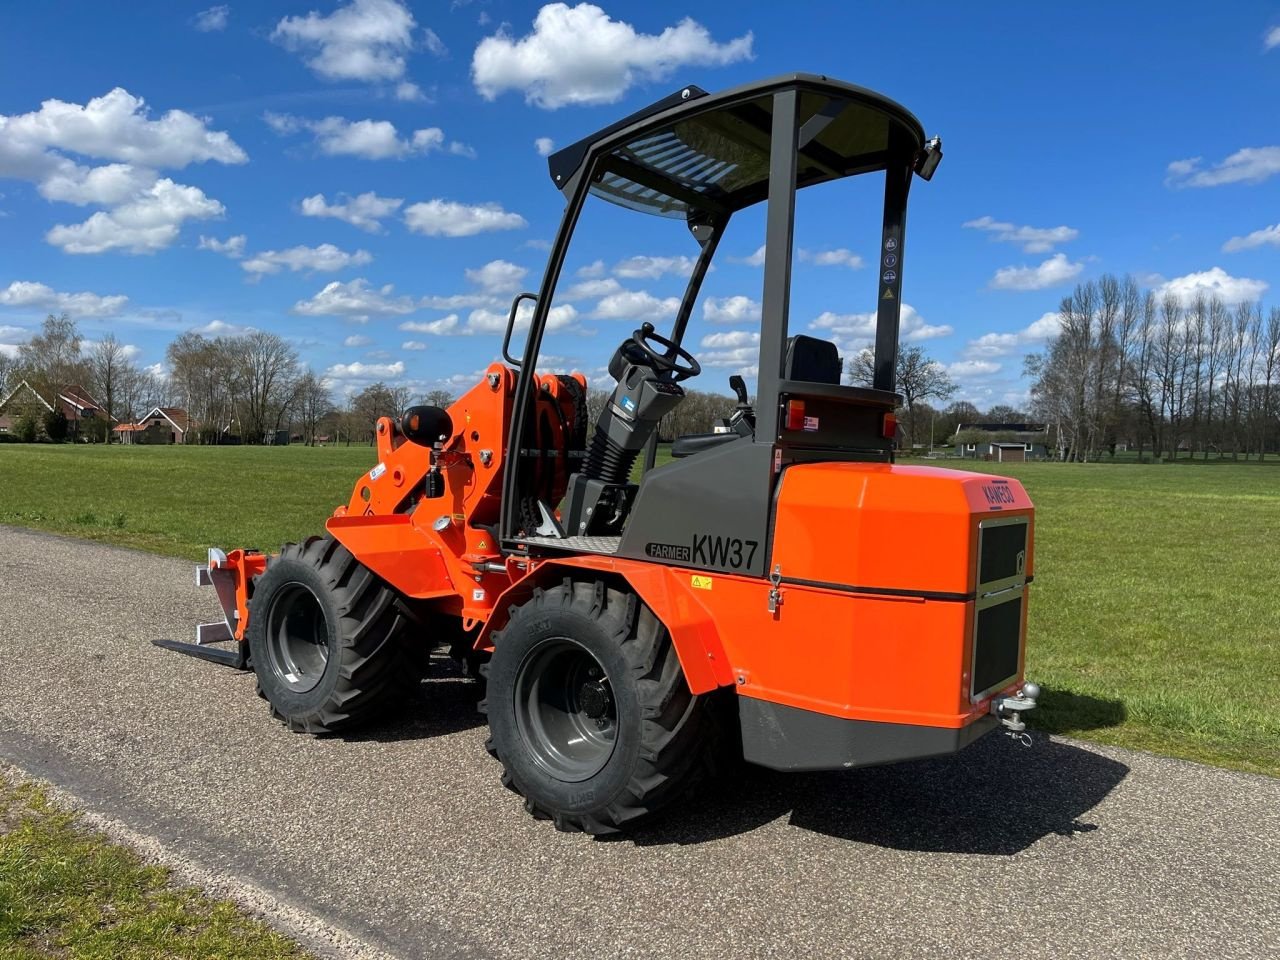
(328, 640)
(589, 710)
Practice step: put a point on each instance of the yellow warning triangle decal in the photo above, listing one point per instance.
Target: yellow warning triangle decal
(888, 294)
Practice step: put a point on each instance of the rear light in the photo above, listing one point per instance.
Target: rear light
(795, 414)
(889, 426)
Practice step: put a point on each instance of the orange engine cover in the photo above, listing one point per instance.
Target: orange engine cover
(879, 581)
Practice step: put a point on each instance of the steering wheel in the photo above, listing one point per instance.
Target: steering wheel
(665, 362)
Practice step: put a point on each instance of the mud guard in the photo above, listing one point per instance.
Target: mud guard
(666, 592)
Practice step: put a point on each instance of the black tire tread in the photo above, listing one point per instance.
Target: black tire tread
(380, 665)
(681, 737)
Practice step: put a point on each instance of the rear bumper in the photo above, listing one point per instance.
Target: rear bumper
(788, 738)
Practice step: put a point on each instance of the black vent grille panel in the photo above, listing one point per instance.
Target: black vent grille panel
(997, 645)
(1003, 552)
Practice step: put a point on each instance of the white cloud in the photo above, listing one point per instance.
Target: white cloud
(591, 289)
(107, 185)
(1213, 282)
(365, 371)
(111, 127)
(325, 258)
(753, 260)
(637, 306)
(1250, 165)
(1052, 272)
(363, 211)
(220, 328)
(23, 294)
(462, 150)
(129, 351)
(498, 276)
(737, 309)
(355, 300)
(438, 328)
(1030, 239)
(145, 212)
(651, 268)
(579, 55)
(545, 146)
(854, 331)
(409, 92)
(435, 46)
(559, 319)
(447, 218)
(730, 338)
(364, 40)
(357, 340)
(232, 247)
(1272, 39)
(1048, 326)
(1267, 236)
(432, 138)
(370, 139)
(737, 349)
(591, 270)
(968, 369)
(826, 258)
(148, 223)
(13, 333)
(213, 19)
(1004, 344)
(413, 345)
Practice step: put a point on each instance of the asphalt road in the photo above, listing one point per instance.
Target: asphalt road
(404, 838)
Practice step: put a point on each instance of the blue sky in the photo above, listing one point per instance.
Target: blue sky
(364, 177)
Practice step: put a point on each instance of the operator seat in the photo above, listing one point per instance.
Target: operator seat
(808, 359)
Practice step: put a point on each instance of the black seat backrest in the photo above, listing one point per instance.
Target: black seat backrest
(812, 360)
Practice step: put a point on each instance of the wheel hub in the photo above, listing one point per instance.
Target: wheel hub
(565, 710)
(594, 699)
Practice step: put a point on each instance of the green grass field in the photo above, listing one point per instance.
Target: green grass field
(1154, 622)
(68, 892)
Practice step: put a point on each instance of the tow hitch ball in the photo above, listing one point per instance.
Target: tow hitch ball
(1009, 711)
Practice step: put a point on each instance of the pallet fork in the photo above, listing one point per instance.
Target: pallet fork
(217, 573)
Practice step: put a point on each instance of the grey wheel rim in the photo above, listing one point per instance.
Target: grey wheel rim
(565, 710)
(297, 637)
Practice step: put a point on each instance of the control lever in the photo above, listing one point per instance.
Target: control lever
(744, 413)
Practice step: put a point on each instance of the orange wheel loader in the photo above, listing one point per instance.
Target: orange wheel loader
(781, 588)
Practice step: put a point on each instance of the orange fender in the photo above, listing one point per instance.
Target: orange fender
(666, 592)
(394, 548)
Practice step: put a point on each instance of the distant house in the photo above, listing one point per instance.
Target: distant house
(75, 402)
(78, 405)
(171, 425)
(1002, 442)
(18, 401)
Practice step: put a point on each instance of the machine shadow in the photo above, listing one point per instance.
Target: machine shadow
(444, 703)
(1065, 712)
(995, 798)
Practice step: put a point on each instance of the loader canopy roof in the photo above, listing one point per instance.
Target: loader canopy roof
(710, 153)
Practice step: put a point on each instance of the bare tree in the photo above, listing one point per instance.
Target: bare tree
(919, 377)
(267, 371)
(314, 403)
(109, 368)
(51, 360)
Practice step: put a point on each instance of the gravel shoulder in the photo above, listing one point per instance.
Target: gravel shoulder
(401, 841)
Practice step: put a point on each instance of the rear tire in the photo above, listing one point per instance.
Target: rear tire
(589, 711)
(328, 640)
